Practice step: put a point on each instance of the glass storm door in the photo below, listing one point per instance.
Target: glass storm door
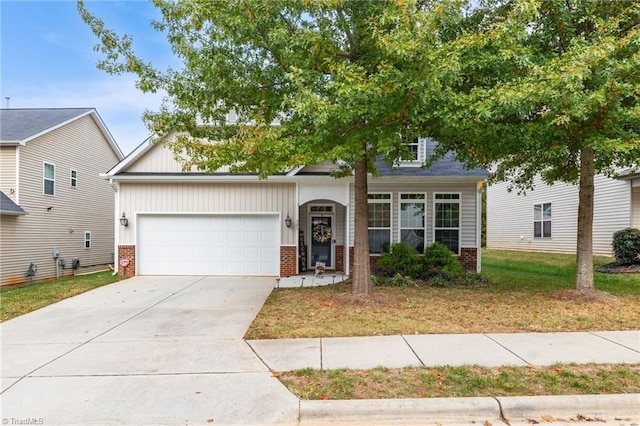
(322, 236)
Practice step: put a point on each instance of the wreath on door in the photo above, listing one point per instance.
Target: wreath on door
(321, 233)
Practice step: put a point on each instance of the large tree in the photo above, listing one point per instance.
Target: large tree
(341, 79)
(556, 95)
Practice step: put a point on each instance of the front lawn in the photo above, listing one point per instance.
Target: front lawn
(18, 301)
(525, 296)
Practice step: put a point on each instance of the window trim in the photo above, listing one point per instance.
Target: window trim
(424, 219)
(73, 179)
(435, 210)
(542, 220)
(46, 179)
(420, 144)
(87, 240)
(381, 201)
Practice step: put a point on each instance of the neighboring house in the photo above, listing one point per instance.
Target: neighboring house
(194, 223)
(546, 218)
(52, 197)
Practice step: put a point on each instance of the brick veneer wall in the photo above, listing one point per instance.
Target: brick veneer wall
(129, 252)
(339, 258)
(287, 261)
(469, 258)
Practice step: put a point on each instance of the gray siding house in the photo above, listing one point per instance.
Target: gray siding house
(546, 218)
(52, 199)
(194, 223)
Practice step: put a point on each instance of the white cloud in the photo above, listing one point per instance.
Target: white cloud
(115, 98)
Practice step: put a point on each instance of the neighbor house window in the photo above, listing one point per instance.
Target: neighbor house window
(542, 220)
(379, 222)
(412, 213)
(87, 239)
(74, 178)
(447, 221)
(49, 178)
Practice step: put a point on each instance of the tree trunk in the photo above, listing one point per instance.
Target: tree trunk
(361, 266)
(584, 249)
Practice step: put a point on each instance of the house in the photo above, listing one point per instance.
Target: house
(194, 223)
(546, 218)
(54, 207)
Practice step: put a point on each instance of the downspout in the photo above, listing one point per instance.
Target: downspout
(479, 185)
(116, 233)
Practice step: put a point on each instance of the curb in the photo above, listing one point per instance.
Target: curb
(397, 410)
(571, 406)
(560, 407)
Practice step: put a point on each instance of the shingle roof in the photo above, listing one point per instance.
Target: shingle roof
(7, 206)
(17, 124)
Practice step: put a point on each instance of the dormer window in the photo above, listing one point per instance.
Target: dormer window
(415, 146)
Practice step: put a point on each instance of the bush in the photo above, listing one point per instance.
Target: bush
(438, 257)
(400, 259)
(626, 246)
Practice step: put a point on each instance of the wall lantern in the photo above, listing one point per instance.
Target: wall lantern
(123, 220)
(287, 221)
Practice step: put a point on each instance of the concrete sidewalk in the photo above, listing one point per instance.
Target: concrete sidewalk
(490, 350)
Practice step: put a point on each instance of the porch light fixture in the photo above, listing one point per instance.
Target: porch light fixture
(123, 220)
(287, 221)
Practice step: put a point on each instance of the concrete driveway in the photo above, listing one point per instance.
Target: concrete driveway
(147, 350)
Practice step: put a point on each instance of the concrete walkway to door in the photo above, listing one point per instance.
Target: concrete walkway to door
(147, 350)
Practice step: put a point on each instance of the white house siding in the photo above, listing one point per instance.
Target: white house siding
(258, 197)
(324, 167)
(81, 146)
(510, 216)
(8, 175)
(468, 194)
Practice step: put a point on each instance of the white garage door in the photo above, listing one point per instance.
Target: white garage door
(208, 245)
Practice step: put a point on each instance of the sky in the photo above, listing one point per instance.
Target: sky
(47, 60)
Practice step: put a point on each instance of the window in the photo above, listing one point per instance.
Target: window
(412, 213)
(447, 221)
(415, 147)
(379, 222)
(542, 220)
(49, 178)
(74, 178)
(87, 239)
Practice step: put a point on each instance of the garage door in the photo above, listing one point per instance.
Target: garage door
(208, 245)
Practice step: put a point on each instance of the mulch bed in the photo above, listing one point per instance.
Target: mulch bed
(618, 268)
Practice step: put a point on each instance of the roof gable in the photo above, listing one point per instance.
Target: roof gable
(21, 125)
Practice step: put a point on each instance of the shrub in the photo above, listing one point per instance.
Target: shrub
(626, 246)
(438, 256)
(400, 259)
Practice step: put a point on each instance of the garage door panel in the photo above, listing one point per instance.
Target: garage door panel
(208, 245)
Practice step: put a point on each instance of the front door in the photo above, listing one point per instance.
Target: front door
(322, 238)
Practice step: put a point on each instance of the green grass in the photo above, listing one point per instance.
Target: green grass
(21, 300)
(465, 381)
(548, 272)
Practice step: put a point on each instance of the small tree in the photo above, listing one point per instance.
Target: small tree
(557, 94)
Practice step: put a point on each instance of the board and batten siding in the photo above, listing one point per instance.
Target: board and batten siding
(468, 207)
(510, 216)
(206, 198)
(59, 221)
(8, 176)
